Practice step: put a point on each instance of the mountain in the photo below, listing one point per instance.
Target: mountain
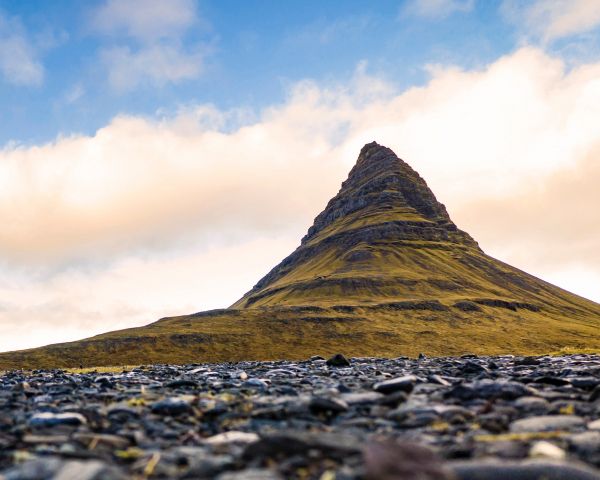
(383, 271)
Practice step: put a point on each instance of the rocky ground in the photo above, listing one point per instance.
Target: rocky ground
(430, 418)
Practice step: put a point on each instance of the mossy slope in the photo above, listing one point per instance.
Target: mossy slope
(382, 272)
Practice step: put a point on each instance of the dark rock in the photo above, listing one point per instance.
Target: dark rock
(490, 389)
(394, 460)
(171, 406)
(595, 395)
(556, 381)
(322, 404)
(48, 419)
(399, 384)
(528, 470)
(338, 360)
(291, 442)
(530, 361)
(182, 382)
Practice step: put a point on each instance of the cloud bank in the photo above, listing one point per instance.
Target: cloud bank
(150, 217)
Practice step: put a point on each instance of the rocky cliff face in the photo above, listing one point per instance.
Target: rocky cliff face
(382, 182)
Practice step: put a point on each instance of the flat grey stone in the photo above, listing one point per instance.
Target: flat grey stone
(526, 470)
(547, 423)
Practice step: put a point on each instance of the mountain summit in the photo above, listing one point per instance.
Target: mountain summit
(383, 271)
(357, 247)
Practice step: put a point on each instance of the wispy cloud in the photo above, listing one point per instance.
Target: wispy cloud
(156, 64)
(325, 32)
(550, 20)
(147, 42)
(436, 9)
(73, 94)
(146, 21)
(19, 64)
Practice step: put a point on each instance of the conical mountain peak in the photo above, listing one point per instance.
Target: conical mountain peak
(381, 182)
(382, 210)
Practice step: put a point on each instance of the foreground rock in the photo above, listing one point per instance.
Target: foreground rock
(362, 418)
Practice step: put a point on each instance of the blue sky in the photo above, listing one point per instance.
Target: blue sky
(246, 55)
(158, 157)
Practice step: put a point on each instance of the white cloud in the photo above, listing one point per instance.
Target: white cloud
(148, 42)
(18, 60)
(74, 93)
(325, 32)
(554, 19)
(157, 65)
(145, 20)
(149, 217)
(436, 9)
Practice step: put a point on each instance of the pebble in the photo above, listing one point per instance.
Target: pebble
(547, 423)
(338, 360)
(526, 470)
(171, 406)
(545, 449)
(468, 418)
(49, 419)
(400, 384)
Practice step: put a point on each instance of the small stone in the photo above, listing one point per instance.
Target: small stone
(550, 380)
(338, 360)
(323, 404)
(361, 398)
(523, 470)
(400, 384)
(585, 383)
(250, 474)
(547, 450)
(595, 395)
(547, 423)
(182, 382)
(171, 406)
(474, 368)
(595, 425)
(291, 442)
(254, 384)
(48, 419)
(535, 405)
(57, 469)
(394, 460)
(586, 442)
(506, 390)
(231, 437)
(528, 361)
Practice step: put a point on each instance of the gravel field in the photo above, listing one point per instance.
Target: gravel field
(484, 418)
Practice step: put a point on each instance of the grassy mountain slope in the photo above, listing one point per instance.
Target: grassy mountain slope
(383, 271)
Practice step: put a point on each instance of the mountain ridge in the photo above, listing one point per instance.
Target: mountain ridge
(383, 271)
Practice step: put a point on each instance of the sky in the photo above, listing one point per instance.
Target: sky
(158, 157)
